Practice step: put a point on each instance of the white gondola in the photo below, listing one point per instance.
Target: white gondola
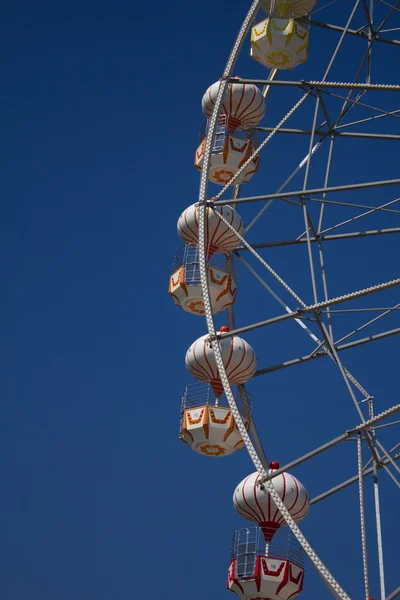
(207, 423)
(185, 284)
(257, 572)
(229, 154)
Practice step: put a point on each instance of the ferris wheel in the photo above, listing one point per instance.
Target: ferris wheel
(324, 266)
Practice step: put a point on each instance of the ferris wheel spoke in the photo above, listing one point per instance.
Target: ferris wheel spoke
(288, 130)
(283, 186)
(325, 111)
(325, 286)
(353, 32)
(379, 38)
(368, 17)
(390, 459)
(340, 348)
(347, 106)
(317, 235)
(393, 113)
(371, 209)
(358, 329)
(387, 424)
(331, 349)
(315, 191)
(349, 434)
(353, 205)
(367, 135)
(314, 308)
(326, 180)
(351, 480)
(390, 13)
(351, 103)
(394, 594)
(309, 225)
(391, 451)
(337, 134)
(323, 85)
(263, 283)
(380, 208)
(356, 102)
(310, 149)
(326, 238)
(278, 298)
(341, 40)
(392, 477)
(373, 442)
(360, 310)
(267, 88)
(337, 236)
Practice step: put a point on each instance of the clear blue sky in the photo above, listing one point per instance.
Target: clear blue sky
(100, 112)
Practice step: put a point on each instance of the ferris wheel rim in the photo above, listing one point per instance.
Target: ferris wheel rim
(326, 575)
(209, 317)
(225, 80)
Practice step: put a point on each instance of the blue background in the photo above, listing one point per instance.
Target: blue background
(100, 111)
